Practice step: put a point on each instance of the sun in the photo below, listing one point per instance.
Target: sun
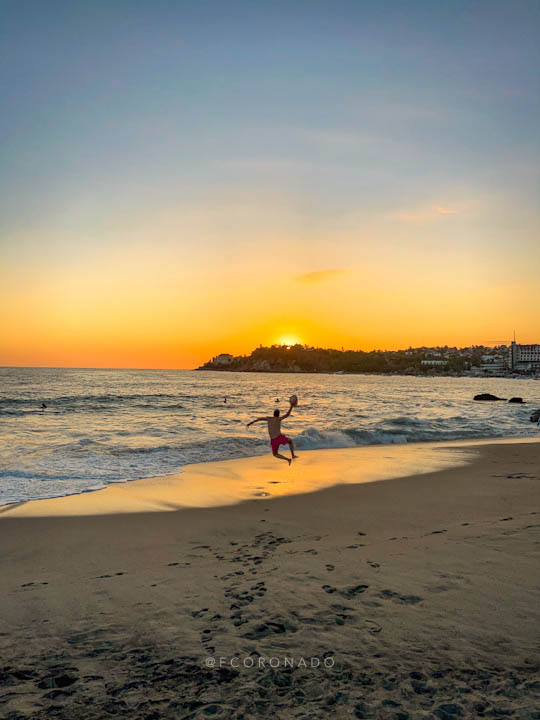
(288, 340)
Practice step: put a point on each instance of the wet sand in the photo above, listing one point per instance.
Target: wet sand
(220, 483)
(418, 597)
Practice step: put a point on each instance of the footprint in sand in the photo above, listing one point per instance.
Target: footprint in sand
(101, 577)
(236, 617)
(269, 628)
(63, 680)
(402, 599)
(373, 626)
(330, 568)
(199, 613)
(259, 589)
(348, 593)
(352, 591)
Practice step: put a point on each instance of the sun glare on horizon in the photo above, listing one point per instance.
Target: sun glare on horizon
(288, 340)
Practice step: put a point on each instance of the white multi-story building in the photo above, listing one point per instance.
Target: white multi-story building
(523, 357)
(434, 362)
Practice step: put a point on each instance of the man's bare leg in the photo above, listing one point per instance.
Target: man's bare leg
(291, 445)
(282, 457)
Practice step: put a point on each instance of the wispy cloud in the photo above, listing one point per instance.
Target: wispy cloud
(428, 213)
(318, 276)
(441, 210)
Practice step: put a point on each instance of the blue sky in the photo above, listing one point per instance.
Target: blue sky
(329, 100)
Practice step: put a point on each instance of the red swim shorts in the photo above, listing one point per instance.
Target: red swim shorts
(277, 441)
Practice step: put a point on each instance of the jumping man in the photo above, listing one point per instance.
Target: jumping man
(276, 438)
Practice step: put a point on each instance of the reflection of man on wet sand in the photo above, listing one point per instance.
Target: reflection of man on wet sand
(276, 438)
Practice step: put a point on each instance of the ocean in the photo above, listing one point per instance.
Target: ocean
(110, 426)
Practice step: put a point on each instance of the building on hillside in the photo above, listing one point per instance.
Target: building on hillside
(223, 359)
(433, 363)
(523, 357)
(493, 364)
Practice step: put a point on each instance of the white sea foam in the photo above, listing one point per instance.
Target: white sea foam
(313, 439)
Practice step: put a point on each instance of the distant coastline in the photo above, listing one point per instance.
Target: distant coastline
(474, 361)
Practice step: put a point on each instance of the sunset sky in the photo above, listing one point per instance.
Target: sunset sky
(180, 179)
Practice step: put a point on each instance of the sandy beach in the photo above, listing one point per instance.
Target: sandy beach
(412, 597)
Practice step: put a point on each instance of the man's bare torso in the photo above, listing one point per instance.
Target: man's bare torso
(274, 426)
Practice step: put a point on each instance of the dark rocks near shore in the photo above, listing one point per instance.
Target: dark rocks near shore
(535, 416)
(516, 400)
(487, 397)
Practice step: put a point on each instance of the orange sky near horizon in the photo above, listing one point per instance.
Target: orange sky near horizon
(140, 305)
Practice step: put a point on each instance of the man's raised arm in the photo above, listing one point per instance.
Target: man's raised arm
(257, 420)
(288, 412)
